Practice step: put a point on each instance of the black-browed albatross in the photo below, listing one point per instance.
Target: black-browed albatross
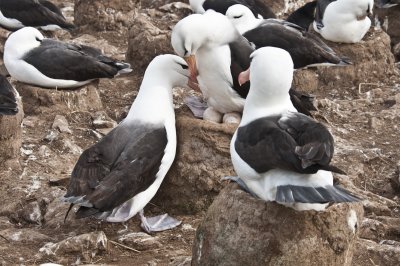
(115, 179)
(8, 98)
(279, 154)
(33, 59)
(259, 9)
(305, 48)
(343, 21)
(16, 14)
(219, 54)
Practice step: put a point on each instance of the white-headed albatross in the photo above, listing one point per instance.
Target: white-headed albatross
(8, 97)
(281, 155)
(306, 48)
(33, 59)
(259, 9)
(216, 56)
(16, 14)
(115, 179)
(343, 21)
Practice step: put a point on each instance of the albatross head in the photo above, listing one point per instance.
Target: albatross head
(21, 42)
(197, 6)
(270, 72)
(169, 69)
(242, 18)
(201, 31)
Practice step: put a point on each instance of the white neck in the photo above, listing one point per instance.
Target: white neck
(154, 102)
(269, 104)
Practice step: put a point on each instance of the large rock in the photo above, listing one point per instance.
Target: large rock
(366, 56)
(371, 253)
(150, 34)
(282, 8)
(202, 159)
(11, 134)
(241, 230)
(109, 15)
(39, 100)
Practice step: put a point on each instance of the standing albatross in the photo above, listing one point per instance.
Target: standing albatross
(216, 56)
(33, 59)
(115, 179)
(16, 14)
(281, 155)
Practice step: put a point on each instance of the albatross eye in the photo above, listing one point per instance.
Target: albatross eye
(38, 39)
(184, 66)
(236, 17)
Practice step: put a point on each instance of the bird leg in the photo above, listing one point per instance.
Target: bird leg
(157, 223)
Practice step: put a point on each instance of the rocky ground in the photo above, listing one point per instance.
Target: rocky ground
(360, 104)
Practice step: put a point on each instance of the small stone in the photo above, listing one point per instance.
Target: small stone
(51, 136)
(90, 243)
(181, 261)
(72, 147)
(44, 151)
(32, 213)
(372, 229)
(60, 123)
(140, 241)
(374, 123)
(102, 120)
(25, 235)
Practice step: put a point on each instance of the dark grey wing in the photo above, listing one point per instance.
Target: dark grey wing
(34, 13)
(241, 50)
(315, 145)
(305, 48)
(320, 10)
(304, 16)
(272, 143)
(133, 170)
(8, 102)
(264, 146)
(303, 102)
(59, 60)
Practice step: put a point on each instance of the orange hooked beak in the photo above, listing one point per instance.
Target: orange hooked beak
(192, 83)
(244, 77)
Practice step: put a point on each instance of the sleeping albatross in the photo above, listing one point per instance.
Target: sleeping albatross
(343, 21)
(33, 59)
(258, 8)
(16, 14)
(115, 179)
(278, 154)
(216, 56)
(305, 48)
(8, 95)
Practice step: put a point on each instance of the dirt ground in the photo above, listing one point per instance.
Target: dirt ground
(364, 119)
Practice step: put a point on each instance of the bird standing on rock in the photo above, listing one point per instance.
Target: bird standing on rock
(216, 56)
(343, 21)
(33, 59)
(16, 14)
(278, 154)
(115, 179)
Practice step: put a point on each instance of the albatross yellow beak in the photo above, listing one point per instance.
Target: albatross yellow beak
(193, 83)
